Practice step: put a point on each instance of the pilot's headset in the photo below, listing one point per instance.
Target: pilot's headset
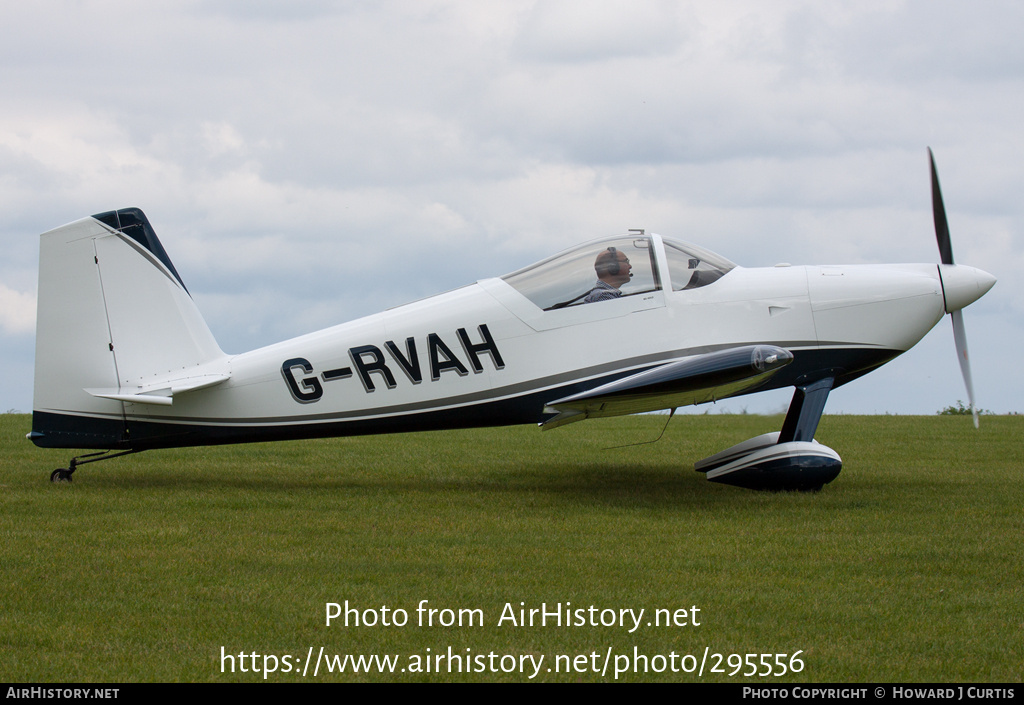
(608, 263)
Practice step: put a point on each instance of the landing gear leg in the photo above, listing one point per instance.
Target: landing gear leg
(64, 474)
(805, 411)
(788, 460)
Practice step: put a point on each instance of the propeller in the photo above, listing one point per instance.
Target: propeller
(946, 255)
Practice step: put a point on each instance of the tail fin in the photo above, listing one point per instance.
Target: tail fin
(115, 324)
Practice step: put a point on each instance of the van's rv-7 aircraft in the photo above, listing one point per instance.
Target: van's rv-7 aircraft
(125, 362)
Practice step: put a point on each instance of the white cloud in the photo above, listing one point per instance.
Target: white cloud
(596, 30)
(444, 141)
(17, 311)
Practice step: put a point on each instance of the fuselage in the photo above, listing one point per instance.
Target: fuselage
(485, 354)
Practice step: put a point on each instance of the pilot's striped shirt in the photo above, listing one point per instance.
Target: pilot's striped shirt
(602, 292)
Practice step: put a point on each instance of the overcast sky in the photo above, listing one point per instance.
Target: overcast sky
(305, 163)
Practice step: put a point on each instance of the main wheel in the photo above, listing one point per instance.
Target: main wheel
(60, 475)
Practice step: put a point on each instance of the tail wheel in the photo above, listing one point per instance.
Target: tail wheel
(61, 475)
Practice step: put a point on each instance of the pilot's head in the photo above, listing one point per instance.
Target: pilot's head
(613, 267)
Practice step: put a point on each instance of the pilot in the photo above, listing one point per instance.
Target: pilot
(613, 270)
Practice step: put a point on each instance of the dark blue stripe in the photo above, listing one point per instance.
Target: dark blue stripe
(55, 430)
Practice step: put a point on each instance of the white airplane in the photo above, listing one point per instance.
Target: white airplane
(623, 325)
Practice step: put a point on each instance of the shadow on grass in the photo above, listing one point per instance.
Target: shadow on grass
(616, 484)
(619, 484)
(515, 463)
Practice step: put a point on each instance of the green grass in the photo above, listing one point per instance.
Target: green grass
(907, 568)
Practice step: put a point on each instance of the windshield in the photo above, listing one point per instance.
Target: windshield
(690, 266)
(598, 271)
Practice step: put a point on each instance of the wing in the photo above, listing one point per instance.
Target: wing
(689, 380)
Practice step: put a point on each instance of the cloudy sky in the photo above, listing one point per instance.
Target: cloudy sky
(305, 163)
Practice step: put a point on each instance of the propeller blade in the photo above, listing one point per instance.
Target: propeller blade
(960, 336)
(939, 212)
(946, 255)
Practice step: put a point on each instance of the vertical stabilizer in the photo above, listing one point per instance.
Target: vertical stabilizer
(113, 319)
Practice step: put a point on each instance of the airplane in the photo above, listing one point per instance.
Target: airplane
(622, 325)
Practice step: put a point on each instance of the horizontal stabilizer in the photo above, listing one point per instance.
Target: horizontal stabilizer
(162, 392)
(690, 380)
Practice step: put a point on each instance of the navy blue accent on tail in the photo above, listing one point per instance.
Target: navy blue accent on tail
(134, 223)
(55, 430)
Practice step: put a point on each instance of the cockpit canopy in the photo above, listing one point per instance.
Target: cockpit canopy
(571, 278)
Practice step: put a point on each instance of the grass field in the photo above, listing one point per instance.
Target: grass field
(907, 568)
